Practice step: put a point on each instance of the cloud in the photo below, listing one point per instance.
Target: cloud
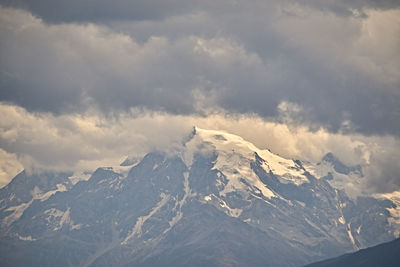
(102, 10)
(383, 175)
(83, 142)
(338, 69)
(9, 167)
(350, 8)
(67, 67)
(45, 141)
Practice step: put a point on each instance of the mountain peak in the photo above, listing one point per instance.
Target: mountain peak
(234, 152)
(340, 167)
(218, 192)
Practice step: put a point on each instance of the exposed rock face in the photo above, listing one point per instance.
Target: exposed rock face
(219, 201)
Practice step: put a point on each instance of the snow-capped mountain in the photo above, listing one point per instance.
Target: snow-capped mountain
(217, 201)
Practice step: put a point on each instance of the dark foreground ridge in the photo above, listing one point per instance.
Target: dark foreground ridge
(387, 254)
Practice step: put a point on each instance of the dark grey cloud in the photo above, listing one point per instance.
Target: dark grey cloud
(189, 58)
(101, 10)
(347, 7)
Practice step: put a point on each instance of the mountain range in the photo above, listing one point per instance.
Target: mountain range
(217, 200)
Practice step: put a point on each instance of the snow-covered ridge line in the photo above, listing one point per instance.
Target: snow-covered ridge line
(230, 144)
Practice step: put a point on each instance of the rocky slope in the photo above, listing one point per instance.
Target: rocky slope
(218, 201)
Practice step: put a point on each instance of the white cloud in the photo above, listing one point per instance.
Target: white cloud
(9, 167)
(45, 141)
(85, 142)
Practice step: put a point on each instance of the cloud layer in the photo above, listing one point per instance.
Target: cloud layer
(83, 142)
(103, 11)
(90, 83)
(339, 69)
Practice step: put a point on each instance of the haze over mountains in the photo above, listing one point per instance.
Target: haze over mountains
(218, 201)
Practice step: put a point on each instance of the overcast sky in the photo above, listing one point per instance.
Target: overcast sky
(91, 81)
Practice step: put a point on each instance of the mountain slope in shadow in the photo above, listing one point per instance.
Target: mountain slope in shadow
(387, 254)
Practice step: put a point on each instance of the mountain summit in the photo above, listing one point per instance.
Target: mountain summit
(217, 201)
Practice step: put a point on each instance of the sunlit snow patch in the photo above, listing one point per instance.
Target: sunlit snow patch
(394, 218)
(235, 156)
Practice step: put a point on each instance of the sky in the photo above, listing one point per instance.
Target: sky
(85, 83)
